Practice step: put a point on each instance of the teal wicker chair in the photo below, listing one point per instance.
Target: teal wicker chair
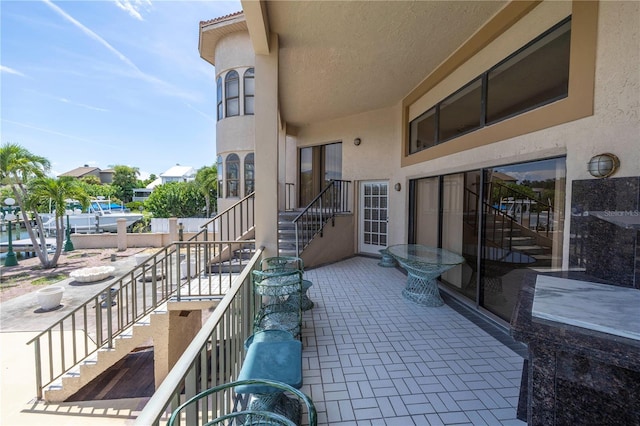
(290, 263)
(282, 263)
(236, 415)
(280, 293)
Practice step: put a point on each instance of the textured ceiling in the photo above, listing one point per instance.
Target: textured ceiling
(346, 57)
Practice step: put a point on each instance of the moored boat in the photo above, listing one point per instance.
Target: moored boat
(101, 216)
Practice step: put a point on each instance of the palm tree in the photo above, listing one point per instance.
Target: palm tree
(58, 192)
(207, 181)
(17, 166)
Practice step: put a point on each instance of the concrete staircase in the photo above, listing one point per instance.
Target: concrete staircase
(90, 368)
(287, 233)
(233, 260)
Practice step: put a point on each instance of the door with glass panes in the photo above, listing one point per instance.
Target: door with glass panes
(374, 201)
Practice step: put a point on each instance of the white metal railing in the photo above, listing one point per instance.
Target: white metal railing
(183, 269)
(214, 357)
(235, 222)
(332, 200)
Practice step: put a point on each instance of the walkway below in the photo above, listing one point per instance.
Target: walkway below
(370, 358)
(23, 313)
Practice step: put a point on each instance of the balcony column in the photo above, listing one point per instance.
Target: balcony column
(267, 133)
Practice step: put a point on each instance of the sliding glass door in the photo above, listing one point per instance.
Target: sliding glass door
(504, 221)
(318, 166)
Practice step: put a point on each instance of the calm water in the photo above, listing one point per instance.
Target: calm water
(4, 235)
(15, 235)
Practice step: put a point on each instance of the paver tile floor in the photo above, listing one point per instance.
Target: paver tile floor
(373, 358)
(370, 358)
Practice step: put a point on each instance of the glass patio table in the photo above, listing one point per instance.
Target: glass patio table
(423, 264)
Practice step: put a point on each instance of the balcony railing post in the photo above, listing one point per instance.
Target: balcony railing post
(334, 207)
(321, 221)
(109, 302)
(36, 346)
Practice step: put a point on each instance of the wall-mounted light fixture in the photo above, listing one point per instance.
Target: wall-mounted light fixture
(357, 141)
(397, 186)
(603, 165)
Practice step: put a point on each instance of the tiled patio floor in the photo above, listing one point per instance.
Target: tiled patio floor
(372, 358)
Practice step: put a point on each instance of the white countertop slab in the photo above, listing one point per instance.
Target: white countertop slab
(606, 308)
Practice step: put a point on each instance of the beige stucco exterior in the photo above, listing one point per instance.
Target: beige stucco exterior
(171, 335)
(601, 113)
(230, 48)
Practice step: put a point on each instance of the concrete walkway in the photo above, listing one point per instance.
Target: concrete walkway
(21, 319)
(23, 313)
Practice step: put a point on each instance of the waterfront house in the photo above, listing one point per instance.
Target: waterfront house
(426, 116)
(436, 114)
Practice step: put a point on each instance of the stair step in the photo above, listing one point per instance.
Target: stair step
(287, 253)
(543, 256)
(521, 240)
(72, 373)
(533, 249)
(55, 386)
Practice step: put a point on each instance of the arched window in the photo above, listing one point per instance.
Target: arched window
(220, 175)
(233, 175)
(219, 94)
(232, 93)
(249, 176)
(249, 91)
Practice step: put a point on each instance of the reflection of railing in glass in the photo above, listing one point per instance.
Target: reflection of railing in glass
(533, 213)
(513, 210)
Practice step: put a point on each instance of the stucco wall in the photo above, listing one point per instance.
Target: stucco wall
(336, 243)
(614, 126)
(235, 134)
(91, 241)
(233, 51)
(378, 131)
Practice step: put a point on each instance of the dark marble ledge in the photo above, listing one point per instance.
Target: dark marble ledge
(619, 351)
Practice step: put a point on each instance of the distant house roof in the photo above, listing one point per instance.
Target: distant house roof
(82, 171)
(155, 183)
(181, 172)
(105, 176)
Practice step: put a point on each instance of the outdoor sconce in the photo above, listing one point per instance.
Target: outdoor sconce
(357, 141)
(603, 165)
(397, 186)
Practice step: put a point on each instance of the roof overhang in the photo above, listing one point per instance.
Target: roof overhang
(338, 59)
(212, 31)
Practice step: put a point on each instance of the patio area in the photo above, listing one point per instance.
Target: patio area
(372, 358)
(369, 358)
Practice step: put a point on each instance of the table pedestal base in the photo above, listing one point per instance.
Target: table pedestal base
(422, 290)
(387, 261)
(278, 403)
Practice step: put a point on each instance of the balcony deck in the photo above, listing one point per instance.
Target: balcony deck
(370, 358)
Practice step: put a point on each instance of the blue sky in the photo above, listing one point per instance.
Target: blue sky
(109, 82)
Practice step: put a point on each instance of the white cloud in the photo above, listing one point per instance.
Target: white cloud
(11, 71)
(205, 115)
(54, 132)
(132, 7)
(67, 101)
(162, 85)
(92, 35)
